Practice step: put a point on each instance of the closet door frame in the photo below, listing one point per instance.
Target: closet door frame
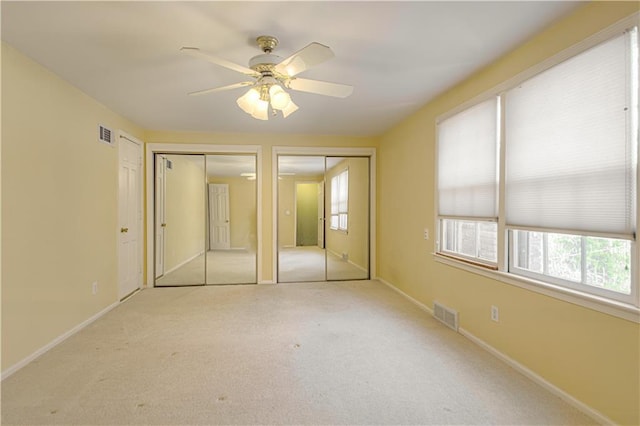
(326, 152)
(205, 149)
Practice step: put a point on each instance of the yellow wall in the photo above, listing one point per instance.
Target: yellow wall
(242, 211)
(307, 214)
(185, 210)
(267, 142)
(59, 207)
(286, 203)
(355, 242)
(592, 356)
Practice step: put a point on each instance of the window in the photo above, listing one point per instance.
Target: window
(569, 161)
(468, 182)
(574, 261)
(340, 201)
(568, 164)
(472, 239)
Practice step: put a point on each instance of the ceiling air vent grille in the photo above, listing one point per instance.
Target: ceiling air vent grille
(105, 135)
(447, 316)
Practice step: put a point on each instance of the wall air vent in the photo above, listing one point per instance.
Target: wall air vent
(445, 315)
(105, 135)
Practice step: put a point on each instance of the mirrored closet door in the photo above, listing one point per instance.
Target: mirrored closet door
(232, 219)
(323, 218)
(180, 220)
(347, 218)
(205, 219)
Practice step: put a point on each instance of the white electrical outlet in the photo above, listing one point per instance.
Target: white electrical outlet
(426, 233)
(94, 287)
(495, 314)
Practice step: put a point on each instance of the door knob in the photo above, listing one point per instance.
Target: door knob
(124, 230)
(164, 225)
(226, 221)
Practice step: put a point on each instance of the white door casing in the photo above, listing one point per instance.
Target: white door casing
(334, 152)
(129, 215)
(321, 214)
(160, 219)
(152, 149)
(220, 227)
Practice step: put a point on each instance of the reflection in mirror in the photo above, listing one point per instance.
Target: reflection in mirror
(323, 218)
(232, 219)
(300, 219)
(180, 220)
(347, 224)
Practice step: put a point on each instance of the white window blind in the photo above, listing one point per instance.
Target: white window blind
(467, 162)
(335, 202)
(570, 144)
(343, 205)
(340, 200)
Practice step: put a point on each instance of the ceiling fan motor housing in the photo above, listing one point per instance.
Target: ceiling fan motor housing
(267, 43)
(264, 62)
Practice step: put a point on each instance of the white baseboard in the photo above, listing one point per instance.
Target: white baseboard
(349, 261)
(336, 254)
(411, 299)
(594, 414)
(267, 282)
(355, 265)
(181, 264)
(9, 371)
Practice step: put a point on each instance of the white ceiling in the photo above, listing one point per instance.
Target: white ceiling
(397, 55)
(230, 165)
(306, 165)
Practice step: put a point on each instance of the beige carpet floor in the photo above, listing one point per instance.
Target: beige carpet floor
(299, 264)
(303, 264)
(223, 267)
(309, 353)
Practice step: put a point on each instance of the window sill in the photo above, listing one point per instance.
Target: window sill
(600, 304)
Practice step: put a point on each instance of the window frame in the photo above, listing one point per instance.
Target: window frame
(627, 306)
(440, 228)
(339, 202)
(441, 243)
(581, 285)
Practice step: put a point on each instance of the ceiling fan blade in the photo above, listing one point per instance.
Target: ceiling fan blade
(321, 87)
(305, 58)
(195, 52)
(220, 89)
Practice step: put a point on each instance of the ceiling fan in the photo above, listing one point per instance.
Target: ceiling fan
(272, 75)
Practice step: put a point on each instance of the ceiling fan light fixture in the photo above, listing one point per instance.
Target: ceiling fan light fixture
(289, 109)
(261, 110)
(279, 98)
(248, 101)
(273, 77)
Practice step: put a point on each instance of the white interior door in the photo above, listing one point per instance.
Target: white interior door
(161, 166)
(129, 217)
(220, 226)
